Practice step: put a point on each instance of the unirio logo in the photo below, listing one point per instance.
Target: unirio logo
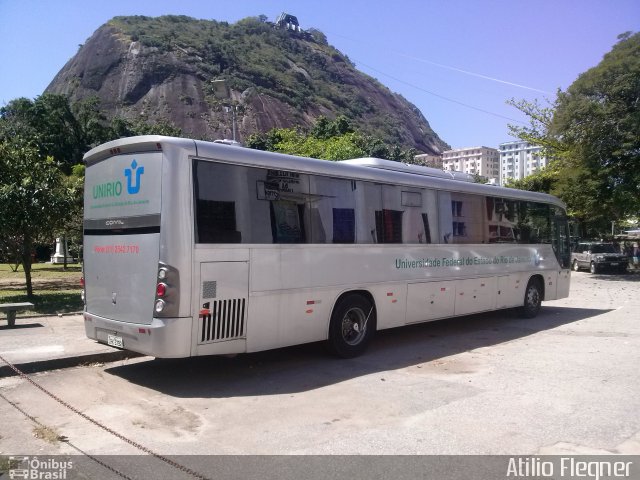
(109, 189)
(114, 188)
(133, 186)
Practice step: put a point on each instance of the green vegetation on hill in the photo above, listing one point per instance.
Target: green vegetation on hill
(250, 53)
(300, 70)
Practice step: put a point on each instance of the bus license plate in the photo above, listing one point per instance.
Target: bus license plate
(614, 264)
(115, 341)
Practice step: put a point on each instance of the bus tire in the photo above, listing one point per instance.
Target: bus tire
(352, 326)
(532, 299)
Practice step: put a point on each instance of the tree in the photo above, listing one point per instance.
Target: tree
(122, 127)
(598, 118)
(329, 140)
(42, 142)
(50, 124)
(34, 199)
(590, 135)
(94, 126)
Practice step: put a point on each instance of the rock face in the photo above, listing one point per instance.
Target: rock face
(192, 75)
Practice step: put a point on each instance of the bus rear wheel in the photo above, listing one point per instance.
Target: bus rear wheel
(532, 299)
(352, 326)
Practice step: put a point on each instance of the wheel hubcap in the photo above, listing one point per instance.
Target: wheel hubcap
(353, 326)
(533, 297)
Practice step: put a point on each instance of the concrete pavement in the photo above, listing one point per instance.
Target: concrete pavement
(50, 342)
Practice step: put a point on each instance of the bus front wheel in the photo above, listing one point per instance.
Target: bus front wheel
(352, 325)
(532, 299)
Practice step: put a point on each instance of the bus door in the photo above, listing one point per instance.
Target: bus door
(561, 242)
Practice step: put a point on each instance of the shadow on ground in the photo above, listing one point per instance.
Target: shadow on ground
(307, 367)
(20, 326)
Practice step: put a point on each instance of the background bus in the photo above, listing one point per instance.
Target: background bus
(196, 248)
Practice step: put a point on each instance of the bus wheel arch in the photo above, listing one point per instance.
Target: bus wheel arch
(352, 324)
(533, 297)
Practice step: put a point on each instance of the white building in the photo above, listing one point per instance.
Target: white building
(483, 161)
(519, 159)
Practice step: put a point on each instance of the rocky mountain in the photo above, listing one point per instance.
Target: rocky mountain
(201, 74)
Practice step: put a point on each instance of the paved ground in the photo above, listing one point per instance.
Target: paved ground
(565, 382)
(46, 343)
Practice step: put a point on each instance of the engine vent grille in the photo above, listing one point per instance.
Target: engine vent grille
(224, 321)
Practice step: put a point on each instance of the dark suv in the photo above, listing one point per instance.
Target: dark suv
(598, 257)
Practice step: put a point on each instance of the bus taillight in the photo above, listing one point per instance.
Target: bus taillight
(161, 290)
(167, 291)
(160, 304)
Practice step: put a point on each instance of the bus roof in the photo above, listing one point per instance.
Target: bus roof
(368, 169)
(408, 168)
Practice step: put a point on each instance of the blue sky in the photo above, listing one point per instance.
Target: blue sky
(458, 61)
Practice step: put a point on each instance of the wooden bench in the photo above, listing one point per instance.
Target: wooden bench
(12, 308)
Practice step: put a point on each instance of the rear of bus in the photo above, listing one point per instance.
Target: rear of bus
(132, 280)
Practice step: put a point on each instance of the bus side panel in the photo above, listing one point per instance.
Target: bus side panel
(280, 319)
(430, 301)
(263, 329)
(510, 291)
(475, 295)
(564, 280)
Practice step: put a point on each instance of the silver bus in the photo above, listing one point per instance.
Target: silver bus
(198, 248)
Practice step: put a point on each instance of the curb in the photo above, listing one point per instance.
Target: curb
(67, 362)
(49, 315)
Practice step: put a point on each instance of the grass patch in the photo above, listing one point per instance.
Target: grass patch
(41, 270)
(55, 290)
(46, 302)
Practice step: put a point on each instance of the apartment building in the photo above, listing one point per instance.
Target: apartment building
(519, 159)
(483, 161)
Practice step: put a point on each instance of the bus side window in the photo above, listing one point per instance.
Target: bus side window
(217, 222)
(332, 216)
(389, 225)
(287, 222)
(216, 202)
(462, 217)
(534, 222)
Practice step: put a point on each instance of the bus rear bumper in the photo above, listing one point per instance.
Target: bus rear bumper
(162, 338)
